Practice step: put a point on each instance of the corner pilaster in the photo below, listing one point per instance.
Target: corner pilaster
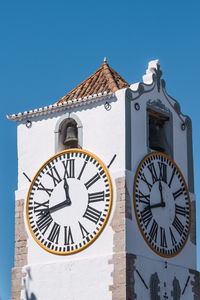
(20, 251)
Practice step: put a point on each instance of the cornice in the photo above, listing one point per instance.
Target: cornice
(58, 107)
(152, 82)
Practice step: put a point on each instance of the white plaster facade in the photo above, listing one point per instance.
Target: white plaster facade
(88, 274)
(68, 277)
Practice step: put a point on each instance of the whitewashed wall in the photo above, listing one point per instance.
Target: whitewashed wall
(86, 274)
(135, 242)
(104, 135)
(166, 274)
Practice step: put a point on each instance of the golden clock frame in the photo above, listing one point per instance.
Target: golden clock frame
(135, 209)
(109, 208)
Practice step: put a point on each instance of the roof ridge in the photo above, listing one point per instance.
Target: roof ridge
(105, 79)
(117, 74)
(108, 74)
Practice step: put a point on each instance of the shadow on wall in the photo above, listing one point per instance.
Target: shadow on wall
(26, 286)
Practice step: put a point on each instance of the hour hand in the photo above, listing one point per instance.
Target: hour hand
(161, 204)
(58, 206)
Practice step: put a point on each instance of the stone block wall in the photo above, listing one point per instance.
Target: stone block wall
(20, 251)
(123, 264)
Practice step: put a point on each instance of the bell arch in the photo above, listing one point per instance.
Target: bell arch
(62, 127)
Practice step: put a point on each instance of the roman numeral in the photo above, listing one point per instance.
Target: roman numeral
(92, 214)
(152, 170)
(81, 172)
(178, 225)
(68, 238)
(144, 198)
(42, 188)
(83, 230)
(174, 242)
(180, 210)
(54, 175)
(69, 168)
(54, 234)
(163, 171)
(154, 231)
(39, 208)
(177, 193)
(96, 197)
(163, 241)
(145, 180)
(172, 176)
(92, 181)
(44, 222)
(146, 215)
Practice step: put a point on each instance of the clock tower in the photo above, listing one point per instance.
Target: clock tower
(105, 206)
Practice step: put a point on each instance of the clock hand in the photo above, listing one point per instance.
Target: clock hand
(62, 204)
(160, 189)
(58, 206)
(161, 204)
(55, 207)
(66, 188)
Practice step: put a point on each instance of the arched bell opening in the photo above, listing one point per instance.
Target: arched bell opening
(68, 132)
(159, 134)
(68, 136)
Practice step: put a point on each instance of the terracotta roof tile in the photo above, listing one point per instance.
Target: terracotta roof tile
(103, 80)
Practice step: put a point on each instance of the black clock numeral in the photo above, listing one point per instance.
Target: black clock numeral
(81, 172)
(146, 215)
(178, 225)
(178, 193)
(152, 170)
(44, 222)
(144, 198)
(54, 175)
(174, 242)
(92, 214)
(39, 208)
(92, 181)
(180, 210)
(83, 230)
(172, 176)
(69, 168)
(163, 171)
(145, 180)
(68, 238)
(96, 197)
(54, 234)
(47, 190)
(153, 233)
(163, 241)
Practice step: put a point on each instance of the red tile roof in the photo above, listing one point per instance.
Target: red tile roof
(103, 80)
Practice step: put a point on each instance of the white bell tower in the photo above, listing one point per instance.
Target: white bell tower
(105, 206)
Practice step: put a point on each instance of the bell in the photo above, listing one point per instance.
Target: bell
(156, 135)
(71, 139)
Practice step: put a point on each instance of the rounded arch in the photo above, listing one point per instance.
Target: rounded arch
(61, 126)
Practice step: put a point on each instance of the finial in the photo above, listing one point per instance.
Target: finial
(105, 60)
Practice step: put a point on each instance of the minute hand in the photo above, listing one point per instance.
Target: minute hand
(66, 188)
(161, 194)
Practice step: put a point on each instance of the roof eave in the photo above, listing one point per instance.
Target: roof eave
(58, 107)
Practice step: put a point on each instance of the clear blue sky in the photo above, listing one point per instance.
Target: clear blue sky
(48, 47)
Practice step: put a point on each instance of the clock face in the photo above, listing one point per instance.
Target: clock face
(162, 204)
(69, 201)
